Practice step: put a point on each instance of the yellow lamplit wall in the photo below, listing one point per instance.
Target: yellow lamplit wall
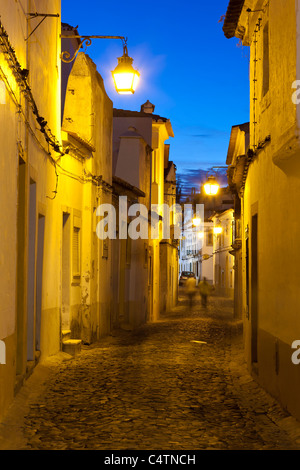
(30, 309)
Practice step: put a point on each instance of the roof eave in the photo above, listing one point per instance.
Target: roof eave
(232, 17)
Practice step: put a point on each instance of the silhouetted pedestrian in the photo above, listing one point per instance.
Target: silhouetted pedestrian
(190, 288)
(205, 290)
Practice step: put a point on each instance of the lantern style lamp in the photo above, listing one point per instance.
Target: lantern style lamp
(125, 76)
(196, 221)
(218, 230)
(211, 187)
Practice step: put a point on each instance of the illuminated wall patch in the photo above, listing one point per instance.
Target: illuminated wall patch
(2, 92)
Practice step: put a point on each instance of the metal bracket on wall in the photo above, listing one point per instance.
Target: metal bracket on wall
(87, 40)
(30, 16)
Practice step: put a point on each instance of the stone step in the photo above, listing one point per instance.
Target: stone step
(72, 346)
(65, 334)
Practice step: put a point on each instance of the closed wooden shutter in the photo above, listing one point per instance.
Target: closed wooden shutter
(76, 251)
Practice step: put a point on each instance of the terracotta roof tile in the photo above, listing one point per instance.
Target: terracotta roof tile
(128, 113)
(234, 11)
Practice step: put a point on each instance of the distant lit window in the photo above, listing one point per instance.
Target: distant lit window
(209, 238)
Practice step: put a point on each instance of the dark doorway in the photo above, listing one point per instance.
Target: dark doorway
(254, 288)
(39, 280)
(66, 275)
(31, 273)
(21, 273)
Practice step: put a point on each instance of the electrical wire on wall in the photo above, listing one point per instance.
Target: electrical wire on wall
(255, 60)
(21, 76)
(56, 186)
(255, 63)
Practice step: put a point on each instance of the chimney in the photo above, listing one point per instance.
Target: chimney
(147, 107)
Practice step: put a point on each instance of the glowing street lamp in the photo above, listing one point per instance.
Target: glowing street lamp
(124, 75)
(196, 221)
(211, 187)
(218, 230)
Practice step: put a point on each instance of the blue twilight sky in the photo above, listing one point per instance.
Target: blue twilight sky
(191, 73)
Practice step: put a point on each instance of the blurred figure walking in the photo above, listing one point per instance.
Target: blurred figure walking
(190, 289)
(205, 290)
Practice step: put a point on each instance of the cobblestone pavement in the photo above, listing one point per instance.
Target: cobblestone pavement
(172, 385)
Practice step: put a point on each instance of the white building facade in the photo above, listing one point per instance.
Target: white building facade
(196, 250)
(223, 259)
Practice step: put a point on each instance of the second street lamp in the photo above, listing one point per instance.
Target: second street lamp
(218, 230)
(196, 221)
(211, 187)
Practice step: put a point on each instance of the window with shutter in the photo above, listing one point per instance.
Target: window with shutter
(76, 252)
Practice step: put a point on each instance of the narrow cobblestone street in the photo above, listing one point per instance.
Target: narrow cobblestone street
(176, 384)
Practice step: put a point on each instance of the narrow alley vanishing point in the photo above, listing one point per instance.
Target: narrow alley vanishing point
(178, 384)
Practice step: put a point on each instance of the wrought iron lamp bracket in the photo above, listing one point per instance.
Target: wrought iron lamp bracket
(214, 169)
(30, 16)
(87, 40)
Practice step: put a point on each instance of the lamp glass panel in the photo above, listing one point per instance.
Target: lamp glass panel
(207, 188)
(214, 188)
(211, 189)
(135, 81)
(123, 82)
